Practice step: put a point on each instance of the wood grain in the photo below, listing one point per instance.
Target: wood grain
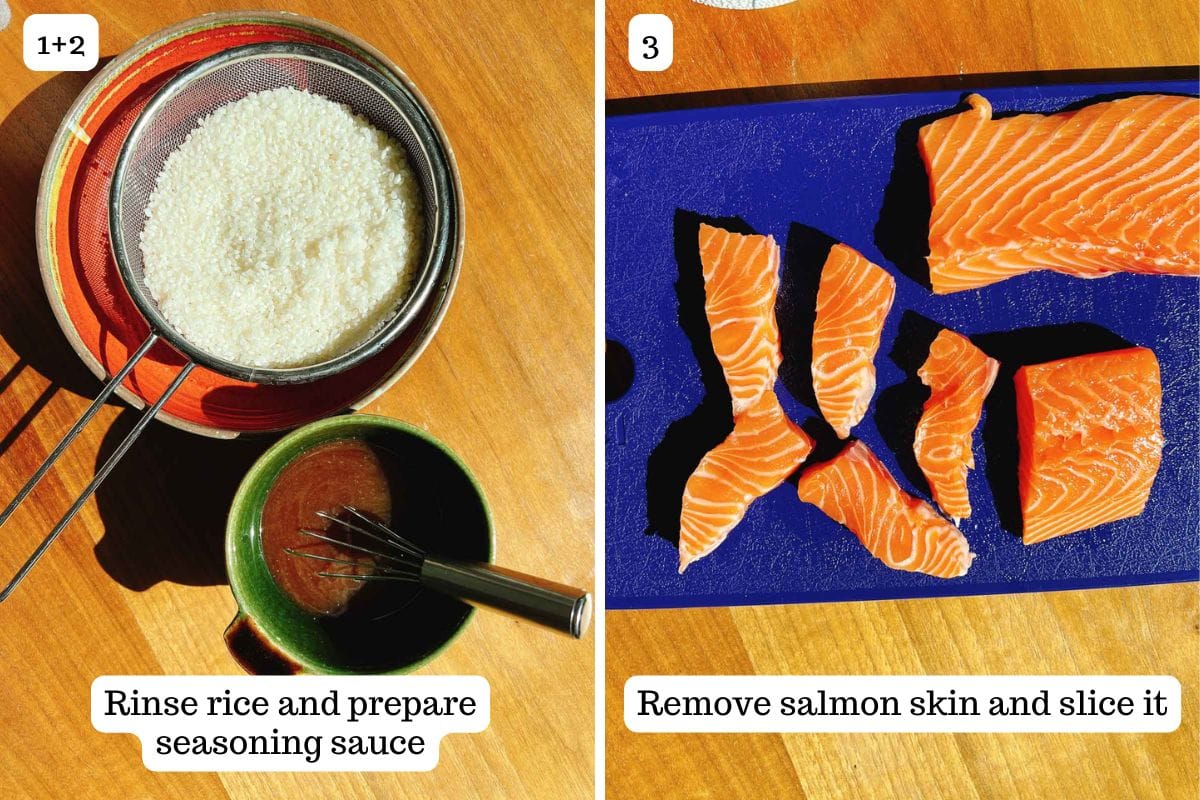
(1150, 630)
(801, 49)
(808, 42)
(136, 585)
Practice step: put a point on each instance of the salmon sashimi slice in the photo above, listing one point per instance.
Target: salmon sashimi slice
(853, 300)
(1090, 440)
(959, 376)
(901, 531)
(1114, 186)
(763, 449)
(741, 280)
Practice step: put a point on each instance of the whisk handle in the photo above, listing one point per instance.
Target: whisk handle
(554, 605)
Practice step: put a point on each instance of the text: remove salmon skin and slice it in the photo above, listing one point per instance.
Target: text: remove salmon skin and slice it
(1113, 186)
(853, 300)
(903, 532)
(959, 376)
(763, 449)
(1090, 440)
(741, 280)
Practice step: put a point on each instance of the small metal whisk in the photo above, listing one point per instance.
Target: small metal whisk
(395, 558)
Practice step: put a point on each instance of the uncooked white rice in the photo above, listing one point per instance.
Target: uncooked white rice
(282, 231)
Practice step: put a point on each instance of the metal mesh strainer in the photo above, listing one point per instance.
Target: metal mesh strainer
(174, 111)
(196, 92)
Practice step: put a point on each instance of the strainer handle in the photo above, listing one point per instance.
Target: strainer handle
(104, 470)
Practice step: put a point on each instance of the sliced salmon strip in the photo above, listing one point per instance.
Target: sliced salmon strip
(763, 449)
(901, 531)
(959, 376)
(1090, 440)
(1114, 186)
(853, 300)
(741, 280)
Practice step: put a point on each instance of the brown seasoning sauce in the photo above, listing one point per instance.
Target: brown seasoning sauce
(340, 473)
(404, 481)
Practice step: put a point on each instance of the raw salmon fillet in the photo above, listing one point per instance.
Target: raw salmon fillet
(1090, 440)
(853, 299)
(959, 376)
(763, 449)
(1114, 186)
(741, 279)
(901, 531)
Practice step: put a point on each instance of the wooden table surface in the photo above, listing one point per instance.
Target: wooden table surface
(1148, 630)
(136, 585)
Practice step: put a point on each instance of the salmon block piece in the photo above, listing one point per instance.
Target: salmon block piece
(1114, 186)
(903, 532)
(1090, 440)
(959, 376)
(741, 280)
(763, 449)
(853, 300)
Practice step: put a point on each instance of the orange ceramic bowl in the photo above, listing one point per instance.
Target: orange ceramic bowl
(81, 278)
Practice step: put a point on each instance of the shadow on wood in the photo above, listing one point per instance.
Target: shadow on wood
(165, 503)
(27, 324)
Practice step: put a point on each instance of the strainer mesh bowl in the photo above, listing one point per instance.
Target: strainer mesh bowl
(386, 100)
(177, 109)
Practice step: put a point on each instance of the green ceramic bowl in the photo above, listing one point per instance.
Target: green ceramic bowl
(273, 635)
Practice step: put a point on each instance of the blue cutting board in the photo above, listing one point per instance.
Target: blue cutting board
(847, 168)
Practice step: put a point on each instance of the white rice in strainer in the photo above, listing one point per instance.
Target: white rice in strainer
(283, 231)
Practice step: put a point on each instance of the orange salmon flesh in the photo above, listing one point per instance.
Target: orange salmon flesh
(959, 376)
(741, 280)
(763, 449)
(853, 300)
(903, 532)
(1090, 440)
(1113, 186)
